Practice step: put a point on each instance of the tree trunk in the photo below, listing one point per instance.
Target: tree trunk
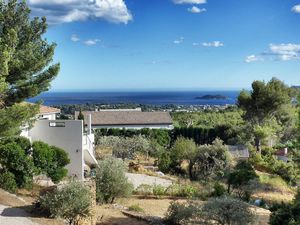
(191, 175)
(257, 145)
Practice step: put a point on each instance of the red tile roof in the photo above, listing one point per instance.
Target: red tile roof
(48, 110)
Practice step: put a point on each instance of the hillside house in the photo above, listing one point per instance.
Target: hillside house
(239, 152)
(66, 134)
(282, 155)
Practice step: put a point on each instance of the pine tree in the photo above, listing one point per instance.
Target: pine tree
(80, 115)
(25, 63)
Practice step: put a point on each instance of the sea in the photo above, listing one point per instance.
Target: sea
(158, 98)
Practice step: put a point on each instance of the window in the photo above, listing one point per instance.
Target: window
(57, 124)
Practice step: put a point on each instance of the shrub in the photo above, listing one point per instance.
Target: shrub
(219, 190)
(240, 178)
(14, 159)
(182, 190)
(159, 190)
(217, 211)
(173, 190)
(8, 182)
(72, 202)
(210, 161)
(23, 142)
(164, 162)
(136, 208)
(144, 189)
(111, 181)
(227, 211)
(286, 213)
(182, 214)
(50, 160)
(187, 191)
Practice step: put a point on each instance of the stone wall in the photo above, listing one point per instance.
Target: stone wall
(92, 220)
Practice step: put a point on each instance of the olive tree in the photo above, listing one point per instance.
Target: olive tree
(72, 202)
(216, 211)
(210, 161)
(111, 181)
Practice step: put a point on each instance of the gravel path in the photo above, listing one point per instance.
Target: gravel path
(14, 216)
(138, 179)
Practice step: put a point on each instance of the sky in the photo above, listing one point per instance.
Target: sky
(172, 44)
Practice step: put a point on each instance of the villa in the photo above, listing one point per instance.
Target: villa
(127, 119)
(66, 134)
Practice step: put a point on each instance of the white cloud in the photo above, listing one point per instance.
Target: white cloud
(296, 8)
(75, 38)
(179, 41)
(91, 42)
(215, 44)
(285, 52)
(196, 44)
(196, 9)
(253, 58)
(66, 11)
(278, 52)
(189, 1)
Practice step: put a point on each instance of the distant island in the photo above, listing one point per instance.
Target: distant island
(209, 97)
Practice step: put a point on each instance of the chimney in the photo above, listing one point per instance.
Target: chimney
(90, 125)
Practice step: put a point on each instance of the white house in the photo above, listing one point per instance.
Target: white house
(239, 152)
(128, 119)
(66, 134)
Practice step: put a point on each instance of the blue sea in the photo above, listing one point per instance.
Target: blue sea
(147, 98)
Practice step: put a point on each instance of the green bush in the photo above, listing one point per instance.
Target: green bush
(182, 190)
(240, 179)
(164, 162)
(216, 211)
(8, 182)
(136, 208)
(50, 160)
(14, 159)
(286, 213)
(111, 181)
(187, 191)
(23, 142)
(219, 190)
(227, 211)
(173, 190)
(144, 189)
(182, 214)
(72, 202)
(159, 190)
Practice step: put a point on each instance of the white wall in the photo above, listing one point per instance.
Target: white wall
(48, 116)
(168, 127)
(68, 138)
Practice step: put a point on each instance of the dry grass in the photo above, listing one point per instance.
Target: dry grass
(153, 207)
(159, 207)
(107, 215)
(273, 189)
(24, 201)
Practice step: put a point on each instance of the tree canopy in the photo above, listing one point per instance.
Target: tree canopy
(266, 107)
(26, 67)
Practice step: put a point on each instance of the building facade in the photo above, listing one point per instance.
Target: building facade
(66, 134)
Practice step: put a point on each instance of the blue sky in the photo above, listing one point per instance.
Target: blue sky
(172, 44)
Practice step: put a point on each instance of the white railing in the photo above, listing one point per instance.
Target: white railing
(88, 144)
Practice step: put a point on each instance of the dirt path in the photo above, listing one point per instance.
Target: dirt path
(12, 215)
(138, 179)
